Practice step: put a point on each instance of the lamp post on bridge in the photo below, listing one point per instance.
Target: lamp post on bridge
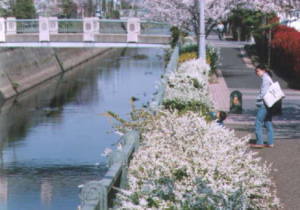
(201, 38)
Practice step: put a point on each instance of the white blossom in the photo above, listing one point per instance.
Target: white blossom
(180, 84)
(119, 147)
(106, 152)
(186, 162)
(200, 150)
(119, 133)
(184, 13)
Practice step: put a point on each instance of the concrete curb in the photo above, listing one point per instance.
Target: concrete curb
(159, 95)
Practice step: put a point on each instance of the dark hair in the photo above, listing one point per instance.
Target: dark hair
(269, 72)
(260, 66)
(222, 116)
(264, 68)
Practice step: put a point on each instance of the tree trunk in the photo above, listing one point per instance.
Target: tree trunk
(269, 48)
(238, 33)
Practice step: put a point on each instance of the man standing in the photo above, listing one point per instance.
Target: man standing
(220, 29)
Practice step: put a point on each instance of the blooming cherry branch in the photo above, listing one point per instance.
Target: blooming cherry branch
(185, 162)
(185, 15)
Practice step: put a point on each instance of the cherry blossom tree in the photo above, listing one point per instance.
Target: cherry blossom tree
(185, 15)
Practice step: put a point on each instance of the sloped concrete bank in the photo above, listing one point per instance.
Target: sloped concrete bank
(24, 68)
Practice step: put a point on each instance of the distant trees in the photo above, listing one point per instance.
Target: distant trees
(47, 8)
(90, 8)
(69, 9)
(245, 22)
(3, 7)
(23, 9)
(86, 8)
(6, 8)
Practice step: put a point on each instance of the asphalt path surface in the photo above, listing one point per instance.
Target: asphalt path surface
(285, 156)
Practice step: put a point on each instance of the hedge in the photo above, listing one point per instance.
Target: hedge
(286, 51)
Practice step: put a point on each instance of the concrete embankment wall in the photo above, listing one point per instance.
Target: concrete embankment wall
(24, 68)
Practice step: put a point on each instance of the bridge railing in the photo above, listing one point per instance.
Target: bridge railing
(154, 28)
(76, 26)
(113, 26)
(92, 29)
(27, 25)
(97, 195)
(69, 25)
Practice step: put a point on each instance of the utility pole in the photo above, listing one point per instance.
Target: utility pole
(202, 44)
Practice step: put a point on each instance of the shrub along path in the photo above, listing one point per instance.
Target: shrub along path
(285, 156)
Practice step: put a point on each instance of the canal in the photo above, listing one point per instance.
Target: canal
(52, 137)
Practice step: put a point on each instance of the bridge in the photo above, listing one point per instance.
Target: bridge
(86, 32)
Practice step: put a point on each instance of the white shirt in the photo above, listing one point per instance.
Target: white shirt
(266, 83)
(220, 27)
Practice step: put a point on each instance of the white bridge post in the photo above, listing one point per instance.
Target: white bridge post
(11, 25)
(44, 35)
(53, 25)
(96, 25)
(88, 30)
(2, 30)
(133, 29)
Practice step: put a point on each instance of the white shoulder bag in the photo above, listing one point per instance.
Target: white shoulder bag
(273, 94)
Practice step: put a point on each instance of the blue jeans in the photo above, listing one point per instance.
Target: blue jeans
(263, 118)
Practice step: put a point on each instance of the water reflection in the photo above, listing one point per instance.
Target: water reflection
(46, 191)
(52, 136)
(3, 192)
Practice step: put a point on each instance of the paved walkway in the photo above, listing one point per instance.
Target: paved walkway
(238, 74)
